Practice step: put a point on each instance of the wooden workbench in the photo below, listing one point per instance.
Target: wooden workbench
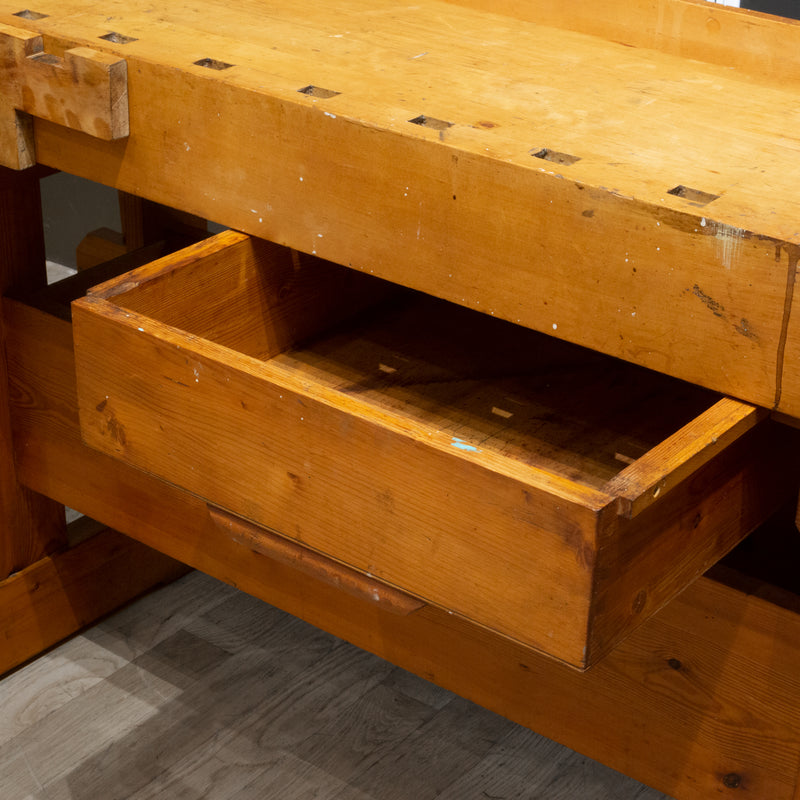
(619, 178)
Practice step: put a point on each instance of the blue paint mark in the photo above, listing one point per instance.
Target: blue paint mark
(462, 445)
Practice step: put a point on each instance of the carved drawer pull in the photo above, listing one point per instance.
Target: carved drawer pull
(318, 566)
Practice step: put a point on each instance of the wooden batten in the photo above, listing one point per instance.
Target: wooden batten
(60, 594)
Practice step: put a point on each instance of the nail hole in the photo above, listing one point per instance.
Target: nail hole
(732, 780)
(431, 122)
(554, 156)
(27, 14)
(318, 91)
(212, 63)
(673, 663)
(693, 195)
(118, 38)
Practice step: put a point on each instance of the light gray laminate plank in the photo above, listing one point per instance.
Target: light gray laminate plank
(158, 615)
(418, 688)
(86, 725)
(292, 778)
(203, 711)
(17, 780)
(259, 697)
(45, 685)
(435, 755)
(525, 765)
(368, 729)
(239, 622)
(199, 692)
(286, 707)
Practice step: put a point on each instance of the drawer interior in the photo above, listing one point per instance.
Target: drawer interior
(498, 388)
(487, 385)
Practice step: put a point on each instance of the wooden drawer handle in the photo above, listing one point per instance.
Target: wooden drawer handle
(318, 566)
(85, 90)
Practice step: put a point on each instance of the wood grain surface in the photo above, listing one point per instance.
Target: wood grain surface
(620, 197)
(84, 89)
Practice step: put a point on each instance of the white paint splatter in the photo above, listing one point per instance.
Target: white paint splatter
(729, 243)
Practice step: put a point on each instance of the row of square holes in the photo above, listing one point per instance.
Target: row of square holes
(117, 38)
(695, 196)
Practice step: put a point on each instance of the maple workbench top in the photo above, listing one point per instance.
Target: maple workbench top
(602, 184)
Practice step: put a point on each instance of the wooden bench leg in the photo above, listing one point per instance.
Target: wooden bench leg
(31, 526)
(49, 589)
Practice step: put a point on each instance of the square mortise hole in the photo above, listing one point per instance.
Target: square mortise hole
(212, 63)
(318, 91)
(27, 14)
(693, 195)
(431, 122)
(118, 38)
(553, 155)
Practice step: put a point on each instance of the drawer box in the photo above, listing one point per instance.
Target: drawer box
(546, 492)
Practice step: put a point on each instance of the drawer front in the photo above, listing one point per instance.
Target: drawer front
(548, 493)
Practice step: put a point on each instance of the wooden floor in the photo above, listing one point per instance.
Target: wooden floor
(200, 691)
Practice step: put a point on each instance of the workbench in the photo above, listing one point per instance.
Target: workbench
(491, 368)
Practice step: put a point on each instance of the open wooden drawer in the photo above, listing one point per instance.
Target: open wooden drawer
(549, 493)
